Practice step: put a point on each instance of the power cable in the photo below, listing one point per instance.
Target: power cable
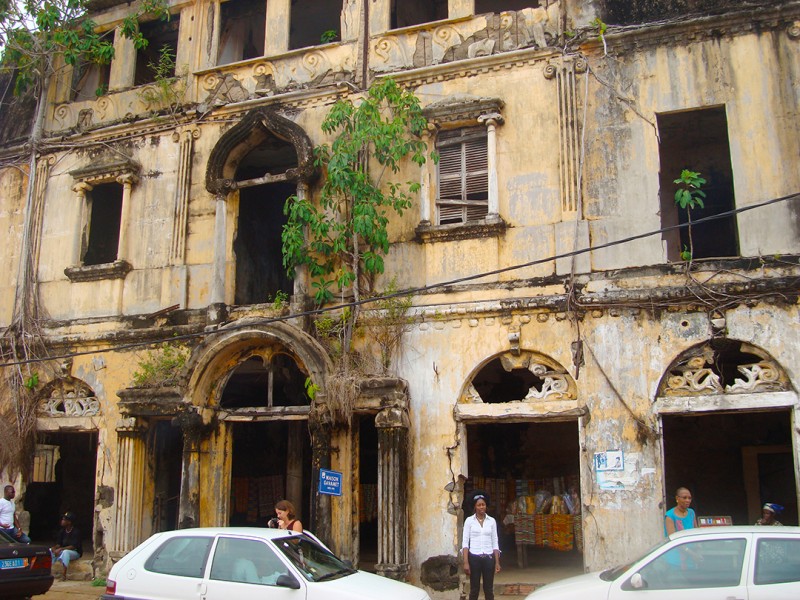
(407, 292)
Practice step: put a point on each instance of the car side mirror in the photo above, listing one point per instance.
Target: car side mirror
(287, 581)
(637, 582)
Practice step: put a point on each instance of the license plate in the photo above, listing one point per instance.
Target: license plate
(13, 563)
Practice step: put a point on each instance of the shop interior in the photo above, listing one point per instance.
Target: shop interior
(530, 473)
(732, 463)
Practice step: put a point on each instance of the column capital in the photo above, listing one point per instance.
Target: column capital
(82, 187)
(127, 179)
(392, 417)
(493, 118)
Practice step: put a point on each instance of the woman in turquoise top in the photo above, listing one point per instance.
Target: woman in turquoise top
(681, 517)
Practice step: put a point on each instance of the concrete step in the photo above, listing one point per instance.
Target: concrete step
(79, 570)
(508, 591)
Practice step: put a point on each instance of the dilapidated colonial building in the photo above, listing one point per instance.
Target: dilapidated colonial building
(569, 335)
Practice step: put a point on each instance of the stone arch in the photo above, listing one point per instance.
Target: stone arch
(723, 366)
(548, 379)
(213, 361)
(254, 129)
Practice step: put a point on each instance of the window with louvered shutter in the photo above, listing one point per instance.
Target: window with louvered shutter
(463, 176)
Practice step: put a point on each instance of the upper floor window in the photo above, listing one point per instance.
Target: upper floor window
(162, 36)
(697, 140)
(463, 176)
(105, 212)
(242, 30)
(406, 13)
(314, 22)
(496, 6)
(90, 80)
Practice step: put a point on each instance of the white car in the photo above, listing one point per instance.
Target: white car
(244, 563)
(710, 563)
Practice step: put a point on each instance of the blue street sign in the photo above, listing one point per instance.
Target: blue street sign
(330, 482)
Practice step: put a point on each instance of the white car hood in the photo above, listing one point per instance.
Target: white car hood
(581, 587)
(363, 585)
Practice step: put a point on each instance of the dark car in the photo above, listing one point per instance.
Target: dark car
(24, 568)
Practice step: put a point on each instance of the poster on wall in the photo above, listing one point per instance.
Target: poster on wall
(610, 460)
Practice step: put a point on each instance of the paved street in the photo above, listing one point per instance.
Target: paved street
(72, 590)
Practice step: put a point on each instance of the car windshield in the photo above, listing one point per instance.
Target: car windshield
(612, 574)
(312, 560)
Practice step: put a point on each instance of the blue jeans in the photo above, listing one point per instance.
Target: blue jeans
(66, 556)
(17, 534)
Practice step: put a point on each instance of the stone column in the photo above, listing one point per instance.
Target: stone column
(220, 251)
(392, 425)
(294, 465)
(189, 503)
(123, 67)
(81, 189)
(320, 428)
(127, 180)
(491, 121)
(427, 177)
(131, 461)
(279, 15)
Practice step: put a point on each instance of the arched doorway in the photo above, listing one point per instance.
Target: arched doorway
(523, 430)
(248, 438)
(726, 411)
(252, 170)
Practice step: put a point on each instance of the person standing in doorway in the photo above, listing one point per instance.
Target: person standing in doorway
(9, 520)
(481, 550)
(68, 546)
(768, 513)
(681, 516)
(287, 519)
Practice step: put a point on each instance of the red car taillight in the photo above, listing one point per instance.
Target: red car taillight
(111, 587)
(44, 561)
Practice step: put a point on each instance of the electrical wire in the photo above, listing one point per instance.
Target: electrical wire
(407, 292)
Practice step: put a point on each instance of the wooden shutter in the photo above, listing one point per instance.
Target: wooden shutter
(463, 176)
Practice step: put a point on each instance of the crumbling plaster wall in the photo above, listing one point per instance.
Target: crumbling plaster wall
(632, 348)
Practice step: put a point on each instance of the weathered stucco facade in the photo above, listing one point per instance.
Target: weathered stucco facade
(555, 313)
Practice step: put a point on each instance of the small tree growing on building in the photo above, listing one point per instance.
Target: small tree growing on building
(689, 196)
(343, 239)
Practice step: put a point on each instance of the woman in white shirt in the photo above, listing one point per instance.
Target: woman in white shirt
(480, 549)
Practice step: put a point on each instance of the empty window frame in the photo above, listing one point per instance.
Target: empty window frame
(105, 213)
(242, 30)
(89, 80)
(406, 13)
(313, 22)
(496, 6)
(162, 36)
(462, 176)
(698, 140)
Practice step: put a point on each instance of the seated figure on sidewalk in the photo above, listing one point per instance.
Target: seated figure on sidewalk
(68, 543)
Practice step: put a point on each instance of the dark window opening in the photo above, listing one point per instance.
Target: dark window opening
(494, 384)
(104, 224)
(89, 81)
(254, 384)
(160, 35)
(463, 176)
(311, 21)
(260, 275)
(242, 30)
(368, 493)
(406, 13)
(496, 6)
(698, 140)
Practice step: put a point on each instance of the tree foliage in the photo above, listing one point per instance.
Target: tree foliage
(345, 234)
(34, 32)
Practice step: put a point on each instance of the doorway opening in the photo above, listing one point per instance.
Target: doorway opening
(733, 463)
(271, 462)
(166, 447)
(530, 472)
(367, 493)
(63, 480)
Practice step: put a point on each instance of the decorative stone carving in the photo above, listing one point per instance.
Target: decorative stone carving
(68, 397)
(699, 371)
(554, 385)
